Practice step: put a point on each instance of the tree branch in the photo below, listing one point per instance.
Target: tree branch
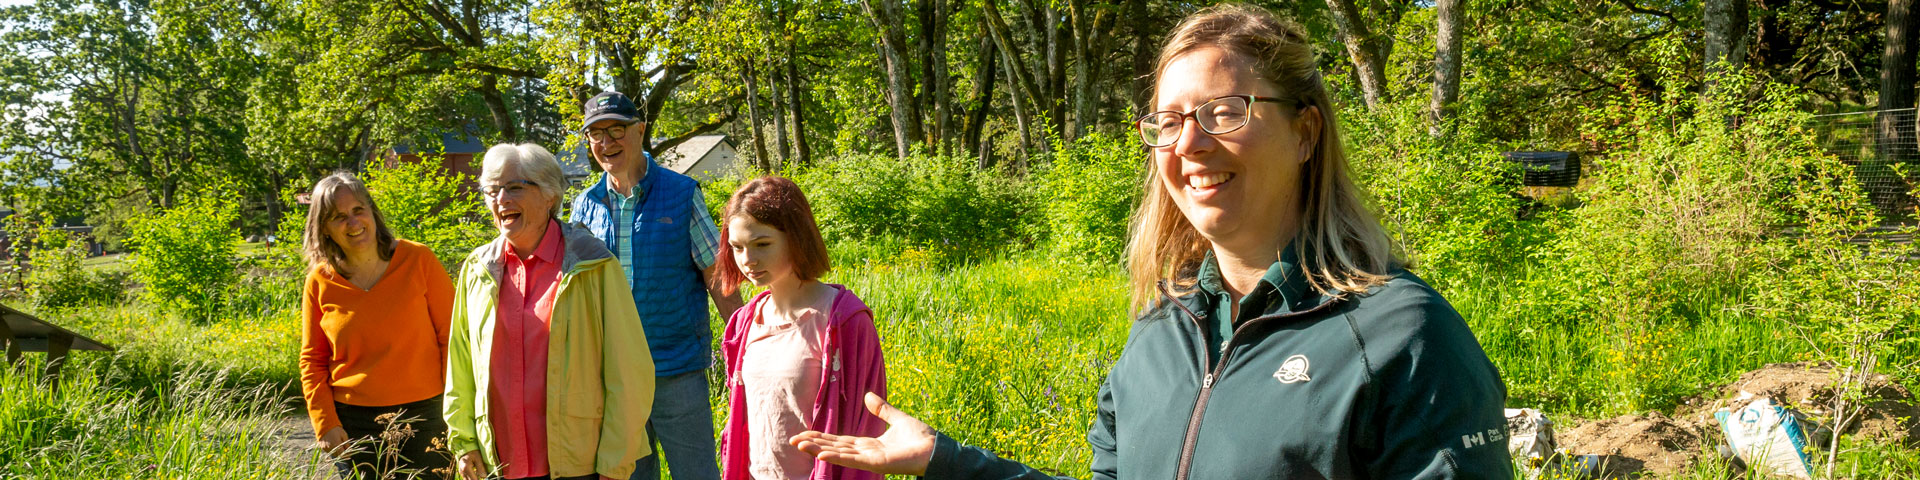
(1629, 5)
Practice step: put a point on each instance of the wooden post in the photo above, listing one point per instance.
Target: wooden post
(57, 346)
(13, 345)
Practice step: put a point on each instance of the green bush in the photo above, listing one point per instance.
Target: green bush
(1448, 202)
(185, 255)
(1087, 191)
(425, 204)
(56, 278)
(946, 207)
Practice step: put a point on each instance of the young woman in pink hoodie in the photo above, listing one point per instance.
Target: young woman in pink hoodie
(803, 354)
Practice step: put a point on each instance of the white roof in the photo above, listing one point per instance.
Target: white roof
(682, 157)
(578, 163)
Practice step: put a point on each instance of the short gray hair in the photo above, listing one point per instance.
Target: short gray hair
(531, 160)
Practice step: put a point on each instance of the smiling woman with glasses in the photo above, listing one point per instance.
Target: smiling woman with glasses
(542, 323)
(375, 309)
(1278, 336)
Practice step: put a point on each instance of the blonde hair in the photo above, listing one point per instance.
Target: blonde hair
(1342, 246)
(534, 162)
(320, 249)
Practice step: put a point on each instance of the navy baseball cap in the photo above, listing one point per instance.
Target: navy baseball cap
(610, 106)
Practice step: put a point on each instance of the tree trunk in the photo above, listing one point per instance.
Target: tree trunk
(760, 158)
(886, 18)
(1145, 51)
(1726, 42)
(502, 117)
(1024, 91)
(1089, 47)
(781, 105)
(981, 99)
(802, 152)
(935, 84)
(1895, 125)
(1022, 115)
(1056, 83)
(1368, 50)
(1446, 65)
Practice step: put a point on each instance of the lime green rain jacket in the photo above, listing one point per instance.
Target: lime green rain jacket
(599, 371)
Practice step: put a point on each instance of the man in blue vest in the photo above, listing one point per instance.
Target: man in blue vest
(655, 220)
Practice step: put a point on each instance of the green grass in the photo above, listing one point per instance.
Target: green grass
(1006, 354)
(101, 424)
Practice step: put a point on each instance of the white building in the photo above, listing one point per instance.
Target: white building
(701, 157)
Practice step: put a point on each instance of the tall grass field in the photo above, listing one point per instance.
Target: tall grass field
(1006, 354)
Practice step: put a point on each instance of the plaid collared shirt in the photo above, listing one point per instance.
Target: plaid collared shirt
(705, 236)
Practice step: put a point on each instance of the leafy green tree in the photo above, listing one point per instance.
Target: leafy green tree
(185, 255)
(634, 47)
(426, 204)
(107, 98)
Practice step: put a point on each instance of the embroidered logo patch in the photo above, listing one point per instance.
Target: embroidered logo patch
(1294, 370)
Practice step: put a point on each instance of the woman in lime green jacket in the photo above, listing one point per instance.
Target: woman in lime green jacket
(544, 379)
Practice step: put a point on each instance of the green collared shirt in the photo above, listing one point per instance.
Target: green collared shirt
(1281, 290)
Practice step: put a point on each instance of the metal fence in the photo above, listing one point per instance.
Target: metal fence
(1857, 139)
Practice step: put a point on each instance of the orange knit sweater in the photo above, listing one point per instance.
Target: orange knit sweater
(379, 347)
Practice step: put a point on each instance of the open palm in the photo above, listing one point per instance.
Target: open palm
(904, 449)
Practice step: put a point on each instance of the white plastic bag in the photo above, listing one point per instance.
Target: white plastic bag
(1767, 437)
(1530, 440)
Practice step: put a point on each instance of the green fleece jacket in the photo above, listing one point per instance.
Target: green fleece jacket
(1386, 385)
(599, 372)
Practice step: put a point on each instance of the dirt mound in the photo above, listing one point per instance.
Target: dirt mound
(1890, 415)
(1635, 445)
(1657, 444)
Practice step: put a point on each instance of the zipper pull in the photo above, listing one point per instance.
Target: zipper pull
(1207, 382)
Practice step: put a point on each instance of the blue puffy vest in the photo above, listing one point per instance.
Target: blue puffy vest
(666, 283)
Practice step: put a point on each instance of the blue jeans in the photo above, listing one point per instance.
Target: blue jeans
(682, 427)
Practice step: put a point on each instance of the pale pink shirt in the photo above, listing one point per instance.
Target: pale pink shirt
(518, 397)
(780, 371)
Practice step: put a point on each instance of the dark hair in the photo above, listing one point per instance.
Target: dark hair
(778, 203)
(317, 247)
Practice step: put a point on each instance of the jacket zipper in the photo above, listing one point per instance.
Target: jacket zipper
(1206, 386)
(1206, 383)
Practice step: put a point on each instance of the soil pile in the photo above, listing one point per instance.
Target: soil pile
(1658, 444)
(1634, 444)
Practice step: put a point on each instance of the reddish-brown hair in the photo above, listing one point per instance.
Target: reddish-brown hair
(778, 203)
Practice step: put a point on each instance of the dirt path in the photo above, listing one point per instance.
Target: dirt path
(293, 445)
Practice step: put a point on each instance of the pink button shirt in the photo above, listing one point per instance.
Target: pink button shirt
(518, 396)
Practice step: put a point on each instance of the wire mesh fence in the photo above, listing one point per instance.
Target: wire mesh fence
(1875, 143)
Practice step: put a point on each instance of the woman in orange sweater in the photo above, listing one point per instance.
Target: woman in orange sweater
(376, 311)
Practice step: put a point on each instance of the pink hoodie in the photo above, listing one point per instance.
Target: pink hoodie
(853, 367)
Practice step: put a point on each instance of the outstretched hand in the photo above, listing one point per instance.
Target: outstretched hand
(904, 449)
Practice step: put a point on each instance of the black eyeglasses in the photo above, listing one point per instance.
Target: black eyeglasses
(604, 135)
(509, 189)
(1218, 116)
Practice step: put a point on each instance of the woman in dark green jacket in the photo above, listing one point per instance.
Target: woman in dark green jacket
(1279, 338)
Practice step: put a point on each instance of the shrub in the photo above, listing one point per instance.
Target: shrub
(56, 278)
(426, 204)
(185, 255)
(944, 206)
(1447, 202)
(1087, 192)
(1675, 211)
